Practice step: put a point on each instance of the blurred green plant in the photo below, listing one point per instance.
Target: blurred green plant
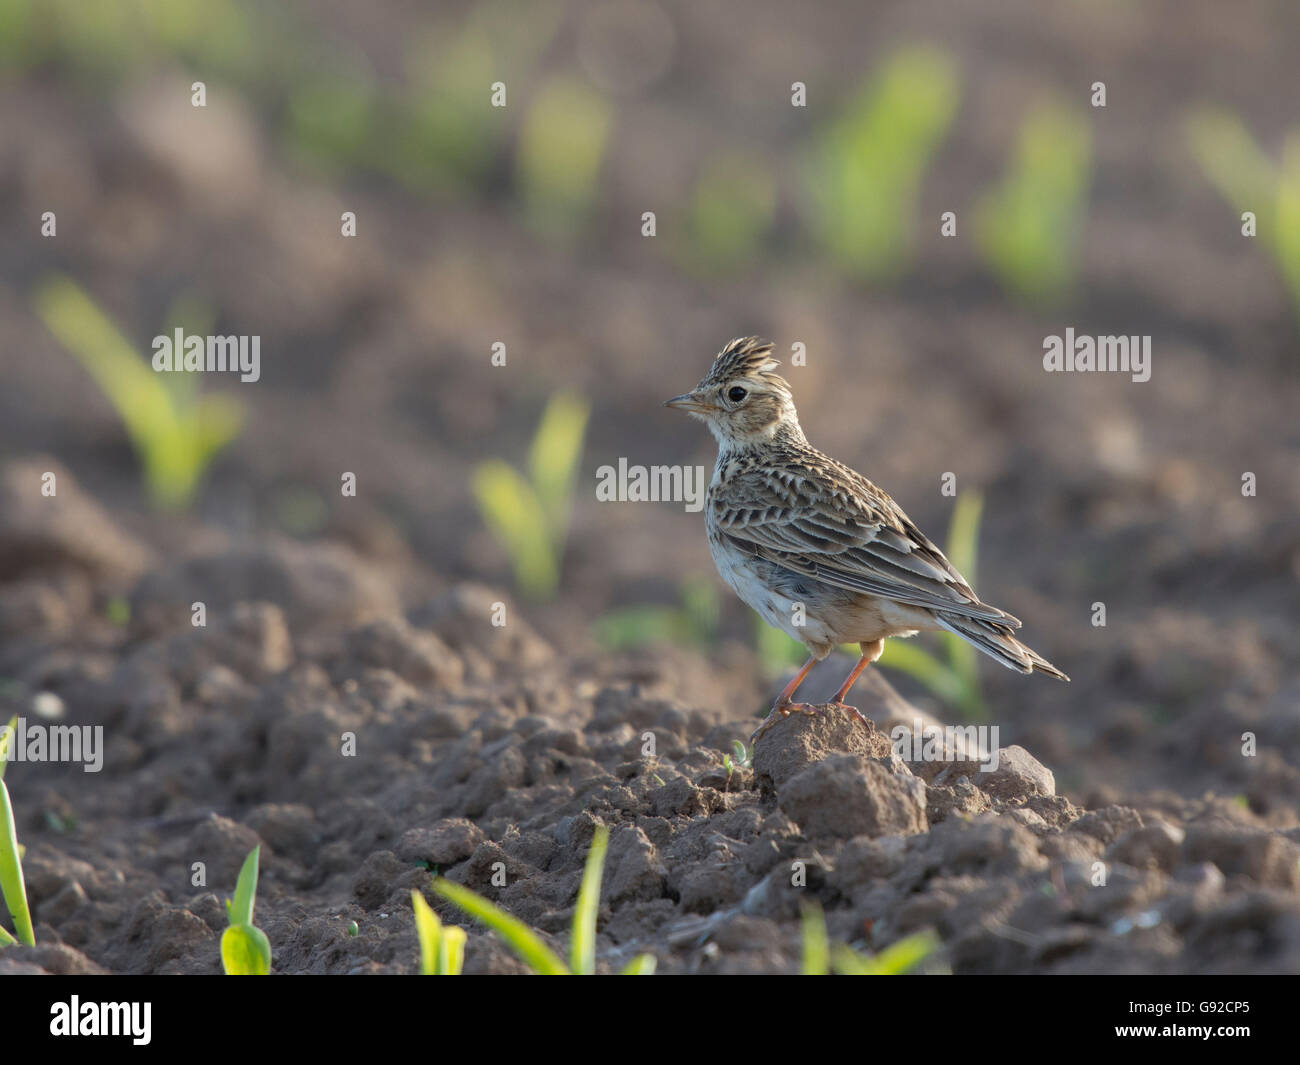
(117, 610)
(693, 624)
(864, 185)
(442, 948)
(527, 945)
(438, 133)
(1237, 167)
(529, 517)
(776, 651)
(12, 886)
(952, 677)
(97, 40)
(820, 957)
(245, 950)
(1028, 226)
(175, 433)
(731, 210)
(559, 156)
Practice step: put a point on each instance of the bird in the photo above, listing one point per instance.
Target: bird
(815, 548)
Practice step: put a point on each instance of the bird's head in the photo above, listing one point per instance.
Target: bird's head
(740, 399)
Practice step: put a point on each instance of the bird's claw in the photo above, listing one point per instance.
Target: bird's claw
(854, 711)
(779, 713)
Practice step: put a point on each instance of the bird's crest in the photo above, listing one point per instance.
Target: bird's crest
(742, 357)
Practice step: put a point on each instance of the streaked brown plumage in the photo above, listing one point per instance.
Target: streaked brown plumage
(800, 536)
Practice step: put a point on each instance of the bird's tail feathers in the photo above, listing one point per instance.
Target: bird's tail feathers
(999, 644)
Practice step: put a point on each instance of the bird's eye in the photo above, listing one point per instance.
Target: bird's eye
(736, 394)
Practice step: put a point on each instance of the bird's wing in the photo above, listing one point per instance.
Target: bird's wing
(819, 518)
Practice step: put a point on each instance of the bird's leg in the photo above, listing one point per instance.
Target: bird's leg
(783, 706)
(870, 652)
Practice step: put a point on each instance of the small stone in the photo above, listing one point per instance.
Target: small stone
(440, 845)
(1018, 775)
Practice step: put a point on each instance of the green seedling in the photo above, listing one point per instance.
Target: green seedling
(1028, 226)
(245, 950)
(744, 757)
(730, 211)
(869, 163)
(117, 610)
(12, 885)
(175, 433)
(1243, 174)
(816, 946)
(442, 948)
(527, 945)
(776, 651)
(693, 624)
(820, 957)
(561, 149)
(529, 517)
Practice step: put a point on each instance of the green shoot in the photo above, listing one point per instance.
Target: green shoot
(730, 211)
(641, 965)
(816, 943)
(1245, 176)
(442, 949)
(175, 434)
(530, 517)
(869, 164)
(820, 957)
(776, 651)
(693, 624)
(553, 459)
(895, 960)
(245, 950)
(527, 945)
(561, 149)
(12, 885)
(1028, 226)
(744, 758)
(582, 942)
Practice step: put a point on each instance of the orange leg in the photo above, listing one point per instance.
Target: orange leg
(783, 706)
(784, 698)
(870, 652)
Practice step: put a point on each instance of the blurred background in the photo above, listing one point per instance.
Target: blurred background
(798, 161)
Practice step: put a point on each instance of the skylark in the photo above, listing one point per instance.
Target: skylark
(818, 550)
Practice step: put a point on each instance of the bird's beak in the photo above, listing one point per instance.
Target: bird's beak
(688, 402)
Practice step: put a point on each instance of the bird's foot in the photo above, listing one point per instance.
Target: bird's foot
(779, 713)
(854, 711)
